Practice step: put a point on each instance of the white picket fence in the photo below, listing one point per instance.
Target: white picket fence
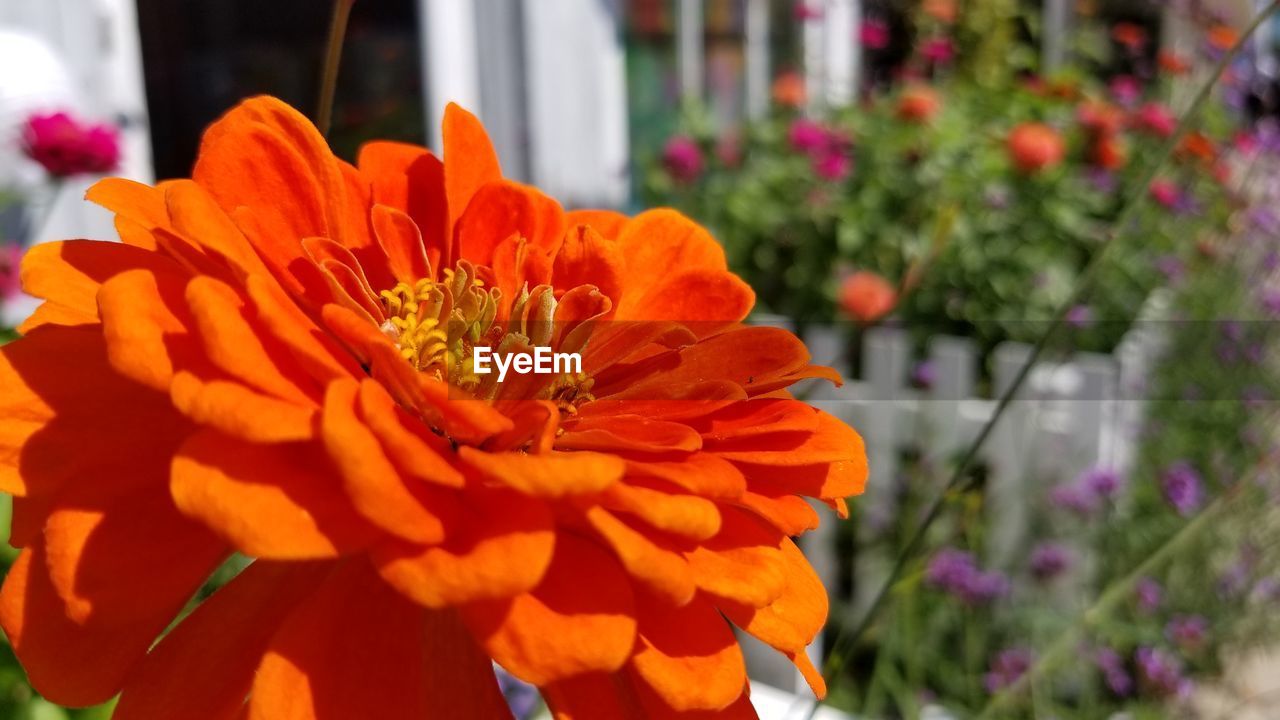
(1069, 416)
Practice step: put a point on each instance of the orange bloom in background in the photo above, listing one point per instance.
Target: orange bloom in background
(1109, 152)
(789, 90)
(1173, 63)
(1034, 147)
(919, 103)
(1130, 35)
(1222, 37)
(1198, 146)
(943, 11)
(276, 362)
(1100, 117)
(867, 297)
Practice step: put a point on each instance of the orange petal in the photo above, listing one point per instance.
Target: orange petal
(742, 562)
(553, 474)
(119, 557)
(501, 547)
(406, 507)
(606, 222)
(796, 616)
(68, 273)
(68, 663)
(58, 392)
(756, 417)
(556, 630)
(141, 203)
(593, 696)
(674, 512)
(663, 570)
(470, 162)
(502, 208)
(233, 409)
(238, 347)
(678, 644)
(272, 501)
(587, 258)
(416, 451)
(789, 513)
(706, 300)
(410, 179)
(145, 322)
(204, 668)
(358, 649)
(402, 241)
(628, 432)
(832, 442)
(314, 350)
(701, 474)
(196, 216)
(825, 481)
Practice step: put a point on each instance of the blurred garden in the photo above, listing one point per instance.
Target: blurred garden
(1119, 200)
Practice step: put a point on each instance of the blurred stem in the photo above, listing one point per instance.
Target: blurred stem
(852, 632)
(1066, 643)
(332, 59)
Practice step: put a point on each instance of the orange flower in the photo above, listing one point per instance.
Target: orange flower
(1109, 152)
(1173, 63)
(1034, 147)
(1222, 37)
(789, 90)
(1198, 146)
(919, 103)
(275, 362)
(943, 11)
(1129, 34)
(867, 297)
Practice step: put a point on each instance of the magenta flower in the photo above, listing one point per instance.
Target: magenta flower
(874, 34)
(1150, 595)
(1049, 560)
(1182, 488)
(1161, 673)
(682, 158)
(806, 135)
(832, 165)
(65, 146)
(1126, 90)
(938, 50)
(1007, 668)
(1188, 632)
(1166, 193)
(1113, 670)
(1156, 119)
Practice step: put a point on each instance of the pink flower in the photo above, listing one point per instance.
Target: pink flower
(805, 11)
(938, 50)
(1166, 193)
(1126, 89)
(682, 158)
(874, 34)
(1156, 119)
(10, 260)
(832, 165)
(64, 146)
(806, 135)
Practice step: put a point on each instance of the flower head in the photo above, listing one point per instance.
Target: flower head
(956, 572)
(919, 103)
(874, 34)
(1157, 119)
(1149, 594)
(805, 135)
(1166, 193)
(1049, 560)
(1160, 674)
(1182, 488)
(64, 146)
(832, 165)
(280, 361)
(867, 297)
(1125, 90)
(1007, 667)
(938, 50)
(1173, 63)
(1188, 632)
(683, 159)
(944, 11)
(1113, 671)
(1034, 147)
(1129, 35)
(789, 90)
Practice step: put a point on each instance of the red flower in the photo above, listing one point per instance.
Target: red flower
(1173, 63)
(919, 103)
(1222, 37)
(1109, 152)
(1156, 119)
(1100, 118)
(64, 146)
(874, 34)
(1165, 192)
(867, 297)
(1129, 35)
(1034, 147)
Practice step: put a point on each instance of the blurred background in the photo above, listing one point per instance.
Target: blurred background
(948, 199)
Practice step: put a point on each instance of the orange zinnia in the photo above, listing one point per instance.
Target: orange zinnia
(274, 363)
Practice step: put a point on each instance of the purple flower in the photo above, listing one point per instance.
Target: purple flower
(682, 158)
(1188, 632)
(1171, 267)
(1102, 482)
(924, 374)
(1161, 674)
(1049, 560)
(1126, 90)
(1182, 488)
(1113, 671)
(1269, 301)
(1007, 667)
(1101, 179)
(957, 573)
(1080, 316)
(1150, 595)
(1075, 498)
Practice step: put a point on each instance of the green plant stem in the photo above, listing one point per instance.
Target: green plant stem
(847, 638)
(332, 59)
(1066, 642)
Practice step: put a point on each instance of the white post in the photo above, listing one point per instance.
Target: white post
(451, 66)
(840, 22)
(689, 34)
(757, 57)
(1053, 37)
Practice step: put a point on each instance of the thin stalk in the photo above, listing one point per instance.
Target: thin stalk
(847, 638)
(332, 59)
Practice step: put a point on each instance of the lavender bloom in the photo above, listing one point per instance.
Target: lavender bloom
(1074, 497)
(956, 572)
(1080, 316)
(1161, 674)
(522, 698)
(1270, 302)
(1149, 594)
(1182, 488)
(1007, 667)
(1188, 632)
(1102, 482)
(1113, 671)
(1049, 560)
(924, 374)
